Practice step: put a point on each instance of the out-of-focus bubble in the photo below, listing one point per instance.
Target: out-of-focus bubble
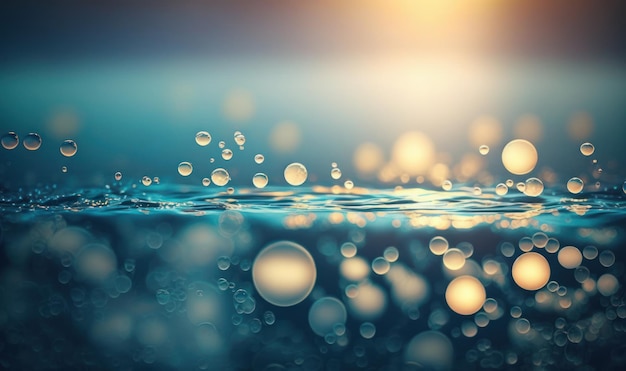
(380, 265)
(348, 250)
(204, 303)
(284, 273)
(354, 269)
(220, 177)
(531, 271)
(64, 169)
(501, 189)
(348, 184)
(580, 126)
(368, 158)
(438, 245)
(335, 173)
(259, 158)
(185, 168)
(552, 245)
(368, 302)
(534, 187)
(391, 254)
(507, 249)
(570, 257)
(68, 148)
(285, 137)
(227, 154)
(239, 106)
(325, 314)
(367, 330)
(454, 259)
(117, 176)
(95, 262)
(221, 144)
(607, 284)
(10, 140)
(590, 252)
(540, 239)
(529, 127)
(522, 325)
(519, 157)
(446, 185)
(575, 185)
(606, 258)
(485, 130)
(430, 350)
(413, 153)
(230, 222)
(208, 339)
(32, 141)
(483, 150)
(587, 149)
(112, 329)
(465, 295)
(295, 174)
(259, 180)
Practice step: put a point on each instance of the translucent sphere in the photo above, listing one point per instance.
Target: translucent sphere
(227, 154)
(185, 168)
(10, 140)
(430, 350)
(367, 330)
(284, 273)
(295, 174)
(354, 269)
(240, 139)
(454, 259)
(519, 157)
(146, 180)
(446, 185)
(335, 173)
(587, 149)
(259, 158)
(203, 138)
(348, 184)
(607, 284)
(575, 185)
(206, 182)
(368, 301)
(502, 189)
(32, 141)
(534, 187)
(570, 257)
(380, 265)
(531, 271)
(64, 169)
(483, 150)
(68, 148)
(220, 177)
(465, 295)
(438, 245)
(325, 314)
(117, 176)
(259, 180)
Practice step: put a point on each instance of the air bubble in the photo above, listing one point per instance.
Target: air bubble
(295, 174)
(185, 168)
(587, 149)
(438, 245)
(483, 150)
(519, 157)
(117, 176)
(531, 271)
(227, 154)
(220, 177)
(146, 180)
(259, 158)
(552, 245)
(380, 266)
(575, 185)
(221, 144)
(68, 148)
(391, 254)
(522, 325)
(446, 185)
(259, 180)
(335, 173)
(454, 259)
(348, 250)
(240, 139)
(534, 187)
(223, 263)
(325, 314)
(570, 257)
(502, 189)
(206, 182)
(606, 258)
(540, 240)
(32, 141)
(10, 140)
(590, 252)
(465, 295)
(367, 330)
(348, 184)
(64, 169)
(203, 138)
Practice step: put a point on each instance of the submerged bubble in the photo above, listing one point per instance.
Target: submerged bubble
(259, 180)
(206, 182)
(295, 174)
(429, 350)
(348, 184)
(68, 148)
(575, 185)
(501, 189)
(227, 154)
(519, 157)
(348, 250)
(531, 271)
(590, 252)
(483, 150)
(221, 144)
(380, 265)
(446, 185)
(259, 158)
(284, 273)
(367, 330)
(203, 138)
(587, 149)
(185, 168)
(606, 258)
(146, 180)
(454, 259)
(607, 284)
(465, 295)
(325, 314)
(534, 187)
(32, 141)
(335, 173)
(570, 257)
(117, 176)
(10, 140)
(391, 254)
(64, 169)
(220, 177)
(240, 139)
(438, 245)
(540, 239)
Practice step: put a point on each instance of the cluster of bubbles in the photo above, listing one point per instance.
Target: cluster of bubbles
(33, 141)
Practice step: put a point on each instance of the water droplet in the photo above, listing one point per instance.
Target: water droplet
(203, 138)
(220, 177)
(295, 174)
(146, 180)
(501, 189)
(575, 185)
(335, 173)
(163, 296)
(446, 185)
(118, 176)
(587, 149)
(68, 148)
(206, 182)
(259, 180)
(227, 154)
(185, 168)
(10, 140)
(32, 141)
(483, 150)
(259, 158)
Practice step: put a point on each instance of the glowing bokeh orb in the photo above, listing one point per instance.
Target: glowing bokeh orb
(531, 271)
(465, 295)
(570, 257)
(519, 157)
(413, 153)
(430, 350)
(325, 314)
(284, 273)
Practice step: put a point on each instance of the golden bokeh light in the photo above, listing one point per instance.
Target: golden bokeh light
(519, 157)
(413, 153)
(465, 295)
(531, 271)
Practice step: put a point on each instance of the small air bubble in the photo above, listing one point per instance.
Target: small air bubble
(587, 149)
(259, 158)
(68, 148)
